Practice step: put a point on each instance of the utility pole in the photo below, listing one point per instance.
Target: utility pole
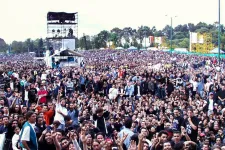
(171, 34)
(219, 33)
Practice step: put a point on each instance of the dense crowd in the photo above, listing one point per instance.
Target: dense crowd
(114, 100)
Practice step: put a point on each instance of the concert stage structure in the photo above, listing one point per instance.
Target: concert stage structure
(62, 30)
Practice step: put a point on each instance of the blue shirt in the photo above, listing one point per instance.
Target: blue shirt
(130, 134)
(74, 116)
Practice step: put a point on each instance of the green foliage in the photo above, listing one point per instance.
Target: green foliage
(133, 37)
(3, 46)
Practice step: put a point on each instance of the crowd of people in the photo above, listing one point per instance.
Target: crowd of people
(114, 100)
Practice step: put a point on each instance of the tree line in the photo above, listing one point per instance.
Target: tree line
(132, 37)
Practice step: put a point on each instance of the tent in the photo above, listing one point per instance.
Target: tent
(181, 50)
(215, 51)
(64, 57)
(132, 48)
(166, 50)
(152, 48)
(119, 48)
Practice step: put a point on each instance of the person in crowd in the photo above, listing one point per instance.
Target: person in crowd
(126, 100)
(28, 136)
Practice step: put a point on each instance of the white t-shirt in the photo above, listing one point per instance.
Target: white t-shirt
(113, 92)
(195, 85)
(207, 85)
(12, 85)
(43, 76)
(15, 139)
(59, 117)
(138, 91)
(26, 133)
(26, 95)
(210, 104)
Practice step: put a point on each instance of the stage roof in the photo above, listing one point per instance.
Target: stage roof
(68, 53)
(61, 15)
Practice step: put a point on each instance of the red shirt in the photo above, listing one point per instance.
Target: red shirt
(42, 99)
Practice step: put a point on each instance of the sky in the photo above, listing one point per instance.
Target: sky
(22, 19)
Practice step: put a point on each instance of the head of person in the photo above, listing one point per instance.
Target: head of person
(176, 136)
(48, 137)
(89, 138)
(176, 112)
(100, 137)
(99, 112)
(31, 117)
(144, 131)
(63, 102)
(190, 112)
(59, 134)
(167, 146)
(40, 120)
(163, 135)
(128, 122)
(96, 145)
(146, 146)
(71, 146)
(5, 120)
(205, 146)
(64, 143)
(218, 141)
(216, 148)
(17, 130)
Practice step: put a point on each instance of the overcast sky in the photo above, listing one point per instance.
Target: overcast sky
(22, 19)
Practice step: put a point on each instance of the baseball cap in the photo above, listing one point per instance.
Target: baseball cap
(211, 93)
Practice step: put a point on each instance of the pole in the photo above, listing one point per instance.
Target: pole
(190, 40)
(219, 35)
(171, 32)
(145, 41)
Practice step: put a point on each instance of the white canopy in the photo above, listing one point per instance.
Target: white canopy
(119, 48)
(215, 51)
(152, 48)
(132, 48)
(181, 50)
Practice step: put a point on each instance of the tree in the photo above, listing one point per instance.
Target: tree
(29, 44)
(184, 43)
(18, 47)
(103, 38)
(40, 44)
(166, 31)
(144, 31)
(3, 46)
(127, 34)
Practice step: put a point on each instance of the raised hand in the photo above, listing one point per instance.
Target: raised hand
(133, 145)
(82, 135)
(140, 137)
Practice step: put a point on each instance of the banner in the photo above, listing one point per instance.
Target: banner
(151, 39)
(158, 40)
(194, 37)
(201, 39)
